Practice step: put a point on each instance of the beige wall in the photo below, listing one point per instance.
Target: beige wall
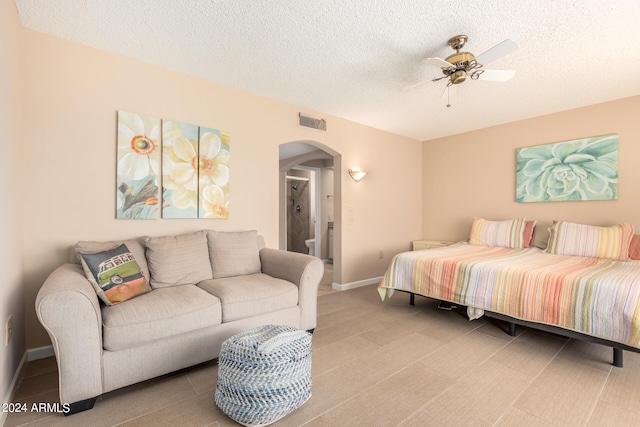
(473, 174)
(71, 96)
(11, 288)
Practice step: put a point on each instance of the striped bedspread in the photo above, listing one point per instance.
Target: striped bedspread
(592, 296)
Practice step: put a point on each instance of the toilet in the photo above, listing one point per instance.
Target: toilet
(311, 244)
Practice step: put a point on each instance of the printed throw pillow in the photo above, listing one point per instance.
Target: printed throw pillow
(115, 275)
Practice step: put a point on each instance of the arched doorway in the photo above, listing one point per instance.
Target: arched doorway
(306, 166)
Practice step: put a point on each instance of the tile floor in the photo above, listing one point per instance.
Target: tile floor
(326, 283)
(390, 364)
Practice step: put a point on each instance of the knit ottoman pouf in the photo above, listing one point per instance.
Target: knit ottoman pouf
(264, 374)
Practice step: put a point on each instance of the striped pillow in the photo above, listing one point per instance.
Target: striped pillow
(506, 234)
(567, 238)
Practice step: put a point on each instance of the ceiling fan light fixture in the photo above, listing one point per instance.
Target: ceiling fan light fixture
(458, 77)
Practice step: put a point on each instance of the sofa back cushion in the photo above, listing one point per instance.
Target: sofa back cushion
(234, 253)
(178, 260)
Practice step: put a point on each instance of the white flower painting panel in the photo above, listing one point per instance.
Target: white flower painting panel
(213, 174)
(179, 170)
(582, 169)
(138, 162)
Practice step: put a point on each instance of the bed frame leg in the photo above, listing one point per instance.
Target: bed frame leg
(412, 299)
(512, 329)
(617, 357)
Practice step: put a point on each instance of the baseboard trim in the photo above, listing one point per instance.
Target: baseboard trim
(40, 353)
(358, 284)
(12, 388)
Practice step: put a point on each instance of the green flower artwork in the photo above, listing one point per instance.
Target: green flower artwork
(582, 169)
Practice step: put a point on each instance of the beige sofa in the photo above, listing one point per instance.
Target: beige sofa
(206, 286)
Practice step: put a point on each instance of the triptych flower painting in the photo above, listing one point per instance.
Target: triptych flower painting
(582, 169)
(171, 169)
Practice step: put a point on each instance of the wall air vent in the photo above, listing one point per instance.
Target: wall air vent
(313, 123)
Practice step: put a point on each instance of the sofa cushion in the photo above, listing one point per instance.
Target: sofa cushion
(251, 295)
(178, 260)
(115, 275)
(158, 315)
(233, 253)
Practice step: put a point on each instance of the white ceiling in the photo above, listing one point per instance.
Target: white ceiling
(351, 58)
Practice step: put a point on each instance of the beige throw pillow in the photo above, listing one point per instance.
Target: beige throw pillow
(178, 260)
(234, 253)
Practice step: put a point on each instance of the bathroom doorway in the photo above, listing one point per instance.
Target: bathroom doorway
(304, 210)
(310, 202)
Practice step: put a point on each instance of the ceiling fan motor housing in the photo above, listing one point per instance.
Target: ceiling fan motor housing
(460, 59)
(462, 62)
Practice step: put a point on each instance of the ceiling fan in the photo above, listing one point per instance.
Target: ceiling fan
(462, 65)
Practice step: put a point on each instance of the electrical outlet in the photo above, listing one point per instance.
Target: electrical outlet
(350, 215)
(8, 329)
(381, 255)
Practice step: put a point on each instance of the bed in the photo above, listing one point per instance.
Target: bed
(586, 297)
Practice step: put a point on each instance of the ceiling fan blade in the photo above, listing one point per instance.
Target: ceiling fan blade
(437, 62)
(498, 51)
(495, 75)
(418, 85)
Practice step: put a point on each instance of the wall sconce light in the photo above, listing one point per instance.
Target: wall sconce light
(357, 174)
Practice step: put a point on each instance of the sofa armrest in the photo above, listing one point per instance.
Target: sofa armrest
(302, 270)
(68, 308)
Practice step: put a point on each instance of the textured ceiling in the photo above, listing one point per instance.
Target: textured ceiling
(352, 58)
